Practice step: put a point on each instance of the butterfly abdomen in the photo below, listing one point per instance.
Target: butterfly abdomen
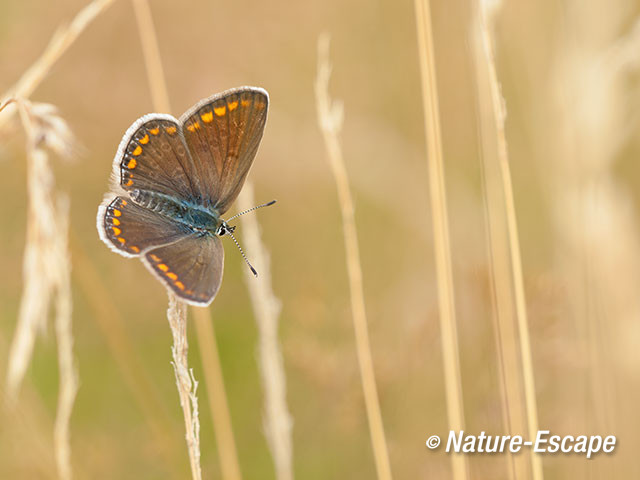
(195, 217)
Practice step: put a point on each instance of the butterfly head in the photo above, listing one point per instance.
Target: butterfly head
(225, 229)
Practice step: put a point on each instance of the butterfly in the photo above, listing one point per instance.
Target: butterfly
(172, 181)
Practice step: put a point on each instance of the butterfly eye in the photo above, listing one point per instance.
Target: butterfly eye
(225, 229)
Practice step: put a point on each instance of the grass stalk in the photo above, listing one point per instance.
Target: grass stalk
(58, 45)
(186, 383)
(510, 291)
(152, 58)
(330, 116)
(218, 404)
(46, 271)
(64, 337)
(516, 259)
(40, 242)
(46, 260)
(444, 275)
(177, 311)
(266, 308)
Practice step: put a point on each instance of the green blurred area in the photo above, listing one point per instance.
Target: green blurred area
(100, 87)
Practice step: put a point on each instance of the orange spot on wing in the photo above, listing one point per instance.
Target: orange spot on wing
(137, 151)
(193, 127)
(115, 221)
(220, 111)
(132, 163)
(207, 117)
(154, 257)
(116, 230)
(135, 249)
(121, 240)
(233, 105)
(129, 183)
(171, 130)
(117, 212)
(180, 285)
(163, 267)
(260, 105)
(154, 131)
(172, 276)
(124, 203)
(245, 103)
(144, 140)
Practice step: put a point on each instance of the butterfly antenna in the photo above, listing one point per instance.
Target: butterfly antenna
(268, 204)
(253, 270)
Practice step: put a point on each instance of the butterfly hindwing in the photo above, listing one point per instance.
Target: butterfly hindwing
(191, 267)
(223, 133)
(130, 229)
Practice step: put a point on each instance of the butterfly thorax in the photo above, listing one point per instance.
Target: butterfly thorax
(195, 216)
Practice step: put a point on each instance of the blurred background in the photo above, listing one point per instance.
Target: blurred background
(569, 78)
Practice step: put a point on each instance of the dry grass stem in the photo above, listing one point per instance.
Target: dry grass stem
(151, 53)
(41, 263)
(441, 242)
(217, 395)
(46, 261)
(266, 308)
(58, 45)
(46, 270)
(511, 289)
(64, 337)
(330, 116)
(177, 312)
(40, 243)
(187, 385)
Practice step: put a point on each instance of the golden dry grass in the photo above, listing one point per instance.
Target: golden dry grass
(440, 219)
(330, 119)
(533, 218)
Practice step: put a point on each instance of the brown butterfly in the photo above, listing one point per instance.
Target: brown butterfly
(173, 179)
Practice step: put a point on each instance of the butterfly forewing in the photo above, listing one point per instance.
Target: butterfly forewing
(130, 229)
(191, 267)
(223, 134)
(154, 157)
